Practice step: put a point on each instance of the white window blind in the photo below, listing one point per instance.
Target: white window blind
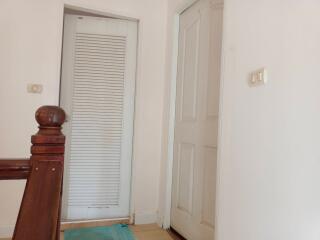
(98, 94)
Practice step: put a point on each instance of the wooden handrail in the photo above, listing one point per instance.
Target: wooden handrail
(39, 215)
(14, 169)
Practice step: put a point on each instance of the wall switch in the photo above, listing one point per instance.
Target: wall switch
(34, 88)
(258, 78)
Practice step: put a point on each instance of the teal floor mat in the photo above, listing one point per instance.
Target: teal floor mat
(115, 232)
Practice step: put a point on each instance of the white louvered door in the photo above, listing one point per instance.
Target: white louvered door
(97, 92)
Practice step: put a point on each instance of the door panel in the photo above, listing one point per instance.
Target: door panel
(189, 72)
(185, 184)
(196, 125)
(209, 182)
(97, 92)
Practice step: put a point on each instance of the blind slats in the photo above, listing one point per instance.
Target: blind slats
(97, 120)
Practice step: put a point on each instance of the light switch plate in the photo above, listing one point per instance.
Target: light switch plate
(258, 78)
(34, 88)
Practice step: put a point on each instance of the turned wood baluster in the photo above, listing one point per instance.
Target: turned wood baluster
(39, 216)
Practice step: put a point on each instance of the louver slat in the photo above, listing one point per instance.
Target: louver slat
(97, 120)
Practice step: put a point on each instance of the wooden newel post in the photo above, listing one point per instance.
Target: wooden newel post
(49, 140)
(39, 216)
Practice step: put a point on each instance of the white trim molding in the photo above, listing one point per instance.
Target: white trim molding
(145, 218)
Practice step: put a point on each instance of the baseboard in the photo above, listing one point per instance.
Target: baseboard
(6, 231)
(145, 218)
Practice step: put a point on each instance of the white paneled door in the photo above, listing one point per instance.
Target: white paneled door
(196, 124)
(97, 92)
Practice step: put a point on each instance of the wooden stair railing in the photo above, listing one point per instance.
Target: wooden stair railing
(39, 215)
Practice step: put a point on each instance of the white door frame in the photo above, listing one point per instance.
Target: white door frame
(124, 16)
(172, 105)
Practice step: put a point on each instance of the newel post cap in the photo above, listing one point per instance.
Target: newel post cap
(50, 116)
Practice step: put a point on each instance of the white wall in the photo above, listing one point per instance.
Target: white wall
(30, 46)
(270, 155)
(269, 161)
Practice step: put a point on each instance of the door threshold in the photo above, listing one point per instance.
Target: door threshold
(92, 223)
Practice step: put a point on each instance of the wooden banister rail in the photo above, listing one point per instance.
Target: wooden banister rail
(14, 169)
(39, 215)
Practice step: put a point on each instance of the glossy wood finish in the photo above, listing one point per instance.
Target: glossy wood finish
(14, 169)
(39, 215)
